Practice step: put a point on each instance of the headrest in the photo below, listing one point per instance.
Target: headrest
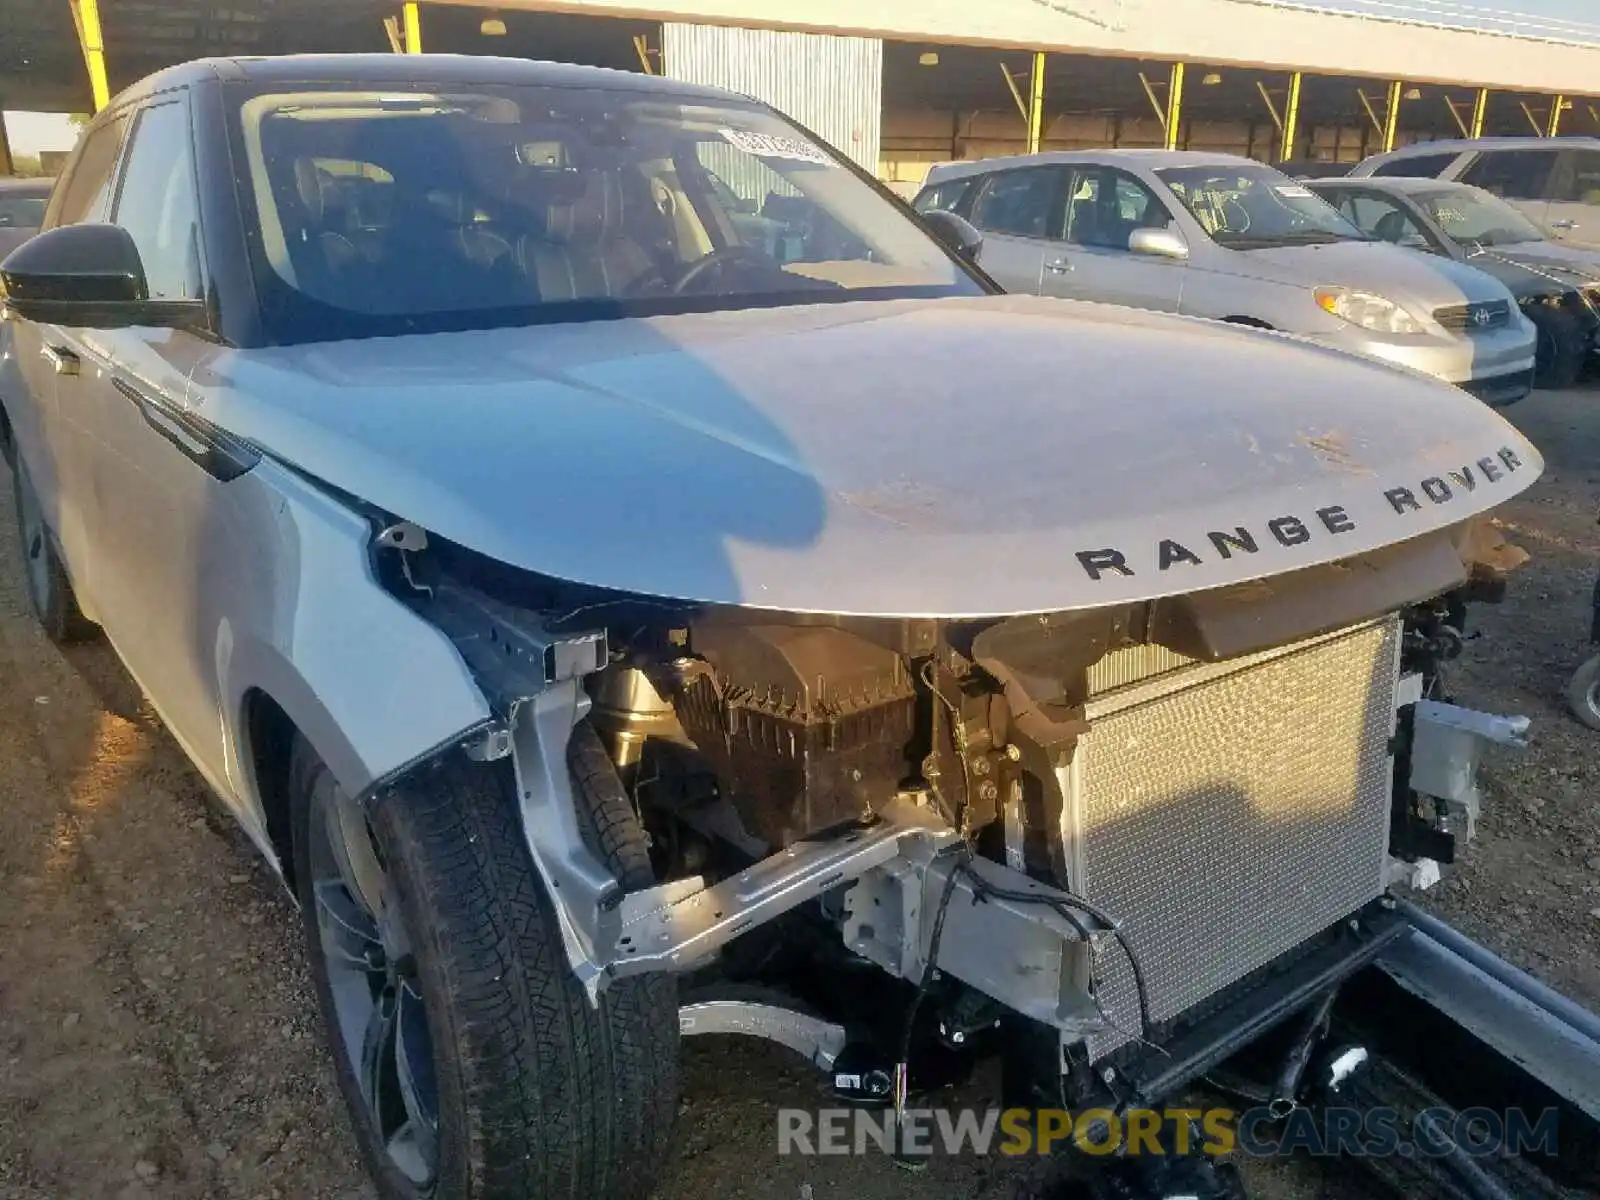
(308, 183)
(589, 212)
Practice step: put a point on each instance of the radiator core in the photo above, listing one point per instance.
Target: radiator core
(1226, 812)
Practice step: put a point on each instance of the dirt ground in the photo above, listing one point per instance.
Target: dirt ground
(157, 1033)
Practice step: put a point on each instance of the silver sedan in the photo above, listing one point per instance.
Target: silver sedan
(1213, 235)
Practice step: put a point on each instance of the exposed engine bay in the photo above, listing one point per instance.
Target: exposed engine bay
(1100, 821)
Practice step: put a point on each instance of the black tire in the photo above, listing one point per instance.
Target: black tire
(1583, 693)
(45, 579)
(537, 1093)
(1562, 349)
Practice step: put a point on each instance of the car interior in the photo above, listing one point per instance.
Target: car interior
(370, 211)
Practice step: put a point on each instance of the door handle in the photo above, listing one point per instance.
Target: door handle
(65, 361)
(1563, 224)
(1058, 266)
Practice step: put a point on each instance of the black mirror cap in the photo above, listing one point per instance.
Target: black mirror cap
(955, 232)
(87, 276)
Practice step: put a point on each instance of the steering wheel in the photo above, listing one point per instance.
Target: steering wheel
(718, 259)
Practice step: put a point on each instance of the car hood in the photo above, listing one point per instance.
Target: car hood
(1424, 280)
(964, 457)
(1571, 266)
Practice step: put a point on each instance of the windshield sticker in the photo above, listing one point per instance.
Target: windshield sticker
(765, 145)
(1293, 191)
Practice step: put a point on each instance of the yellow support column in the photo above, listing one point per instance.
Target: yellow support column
(1556, 106)
(1174, 105)
(413, 24)
(86, 17)
(1036, 104)
(1479, 111)
(1391, 119)
(1291, 118)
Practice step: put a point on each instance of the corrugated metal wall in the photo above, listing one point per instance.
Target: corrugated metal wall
(831, 85)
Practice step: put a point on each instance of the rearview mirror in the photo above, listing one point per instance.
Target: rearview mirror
(1159, 243)
(955, 232)
(88, 276)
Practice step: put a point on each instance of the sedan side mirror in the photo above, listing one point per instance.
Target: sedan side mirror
(1158, 243)
(955, 232)
(88, 276)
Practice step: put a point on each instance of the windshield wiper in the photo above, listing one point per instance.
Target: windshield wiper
(1245, 241)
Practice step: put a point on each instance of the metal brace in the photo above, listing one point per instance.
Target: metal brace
(1447, 746)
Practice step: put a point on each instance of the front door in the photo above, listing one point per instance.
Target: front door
(154, 509)
(1523, 177)
(1018, 211)
(1104, 207)
(1574, 211)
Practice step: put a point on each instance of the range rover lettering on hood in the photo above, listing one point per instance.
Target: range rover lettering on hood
(954, 458)
(1292, 529)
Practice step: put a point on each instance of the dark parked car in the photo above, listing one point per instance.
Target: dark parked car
(22, 204)
(1556, 283)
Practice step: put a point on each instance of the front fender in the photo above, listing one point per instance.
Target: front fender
(371, 685)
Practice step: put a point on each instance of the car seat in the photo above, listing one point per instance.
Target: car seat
(586, 249)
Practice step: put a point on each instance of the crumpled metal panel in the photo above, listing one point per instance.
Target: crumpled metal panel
(1227, 812)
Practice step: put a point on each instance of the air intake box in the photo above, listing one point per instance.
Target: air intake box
(805, 727)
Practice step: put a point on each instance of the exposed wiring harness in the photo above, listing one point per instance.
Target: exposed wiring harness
(1068, 906)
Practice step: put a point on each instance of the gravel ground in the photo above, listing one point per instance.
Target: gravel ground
(157, 1033)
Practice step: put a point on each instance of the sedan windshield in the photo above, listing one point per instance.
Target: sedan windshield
(405, 210)
(1474, 217)
(1248, 207)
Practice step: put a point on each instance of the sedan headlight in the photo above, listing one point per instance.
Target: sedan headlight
(1368, 310)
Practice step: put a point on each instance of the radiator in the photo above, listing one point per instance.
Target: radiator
(1226, 812)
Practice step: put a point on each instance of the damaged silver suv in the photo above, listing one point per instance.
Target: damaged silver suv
(596, 601)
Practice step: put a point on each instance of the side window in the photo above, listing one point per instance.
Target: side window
(1105, 207)
(1418, 166)
(1017, 202)
(86, 195)
(944, 196)
(1383, 219)
(1578, 181)
(156, 202)
(1513, 174)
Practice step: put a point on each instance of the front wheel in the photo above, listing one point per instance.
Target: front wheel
(1583, 693)
(1562, 348)
(472, 1063)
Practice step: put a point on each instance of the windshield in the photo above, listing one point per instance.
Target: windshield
(404, 211)
(1248, 207)
(21, 212)
(1470, 216)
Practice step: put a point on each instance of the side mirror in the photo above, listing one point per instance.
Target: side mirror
(1158, 243)
(959, 234)
(88, 276)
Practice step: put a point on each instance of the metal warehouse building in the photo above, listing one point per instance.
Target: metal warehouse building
(902, 84)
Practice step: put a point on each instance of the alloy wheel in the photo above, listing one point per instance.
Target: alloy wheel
(372, 975)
